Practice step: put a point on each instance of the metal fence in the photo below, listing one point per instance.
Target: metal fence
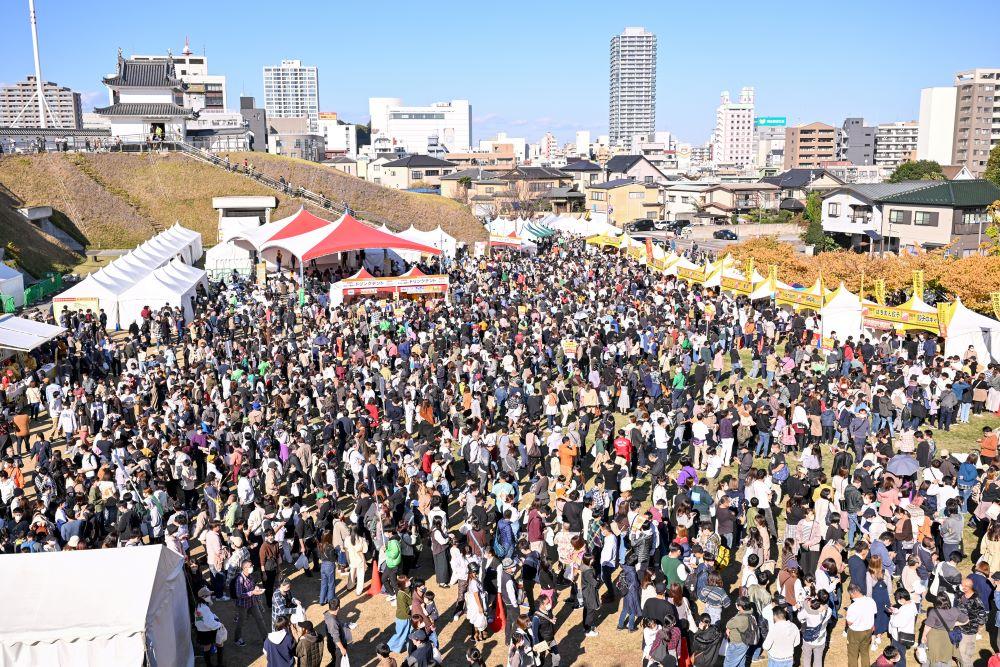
(43, 289)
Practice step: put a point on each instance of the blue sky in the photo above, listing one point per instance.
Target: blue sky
(528, 67)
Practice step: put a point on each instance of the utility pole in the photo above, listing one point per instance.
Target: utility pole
(38, 66)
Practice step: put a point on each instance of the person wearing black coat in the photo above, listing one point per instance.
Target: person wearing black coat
(705, 643)
(590, 586)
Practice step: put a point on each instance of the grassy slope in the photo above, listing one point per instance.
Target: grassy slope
(398, 208)
(35, 251)
(118, 201)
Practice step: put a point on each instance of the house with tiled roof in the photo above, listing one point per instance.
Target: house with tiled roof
(146, 101)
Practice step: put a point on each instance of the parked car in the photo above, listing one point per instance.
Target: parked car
(685, 232)
(645, 225)
(725, 234)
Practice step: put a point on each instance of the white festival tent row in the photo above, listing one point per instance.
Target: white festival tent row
(101, 289)
(12, 284)
(59, 620)
(967, 327)
(172, 285)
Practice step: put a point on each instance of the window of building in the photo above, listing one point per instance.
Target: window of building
(635, 195)
(649, 179)
(897, 217)
(833, 209)
(417, 175)
(925, 218)
(597, 196)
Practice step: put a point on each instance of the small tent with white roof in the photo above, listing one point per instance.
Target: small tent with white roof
(967, 328)
(12, 284)
(173, 285)
(841, 314)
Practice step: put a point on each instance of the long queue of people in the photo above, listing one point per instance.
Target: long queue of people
(567, 431)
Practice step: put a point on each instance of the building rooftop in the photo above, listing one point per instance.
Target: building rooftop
(965, 194)
(417, 161)
(340, 159)
(871, 192)
(582, 165)
(144, 74)
(798, 178)
(143, 109)
(622, 163)
(533, 174)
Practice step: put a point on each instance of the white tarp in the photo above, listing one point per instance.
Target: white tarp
(24, 335)
(60, 619)
(967, 327)
(841, 315)
(12, 284)
(171, 285)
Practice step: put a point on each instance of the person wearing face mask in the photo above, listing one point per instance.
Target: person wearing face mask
(210, 633)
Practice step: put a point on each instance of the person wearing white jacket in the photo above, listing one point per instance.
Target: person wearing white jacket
(210, 633)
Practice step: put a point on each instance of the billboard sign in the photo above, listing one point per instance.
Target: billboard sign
(770, 121)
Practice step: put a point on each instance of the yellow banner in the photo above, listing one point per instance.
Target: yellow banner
(942, 313)
(918, 284)
(772, 272)
(748, 268)
(908, 318)
(736, 285)
(797, 298)
(691, 275)
(995, 302)
(880, 291)
(649, 250)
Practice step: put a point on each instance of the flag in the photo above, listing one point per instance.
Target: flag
(995, 302)
(918, 284)
(376, 586)
(880, 291)
(499, 618)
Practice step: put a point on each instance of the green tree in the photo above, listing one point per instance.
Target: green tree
(814, 209)
(921, 170)
(992, 172)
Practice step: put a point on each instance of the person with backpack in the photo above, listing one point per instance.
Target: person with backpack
(628, 588)
(814, 617)
(742, 632)
(706, 642)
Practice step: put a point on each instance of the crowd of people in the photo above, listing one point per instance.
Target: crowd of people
(568, 437)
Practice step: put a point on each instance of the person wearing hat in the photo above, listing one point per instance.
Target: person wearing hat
(308, 647)
(509, 589)
(210, 633)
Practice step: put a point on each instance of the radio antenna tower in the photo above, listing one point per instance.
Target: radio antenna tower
(39, 95)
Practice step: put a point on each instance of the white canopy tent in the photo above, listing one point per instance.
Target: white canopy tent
(841, 314)
(968, 328)
(24, 335)
(12, 284)
(171, 285)
(224, 258)
(435, 238)
(60, 620)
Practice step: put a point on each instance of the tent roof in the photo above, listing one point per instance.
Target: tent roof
(7, 272)
(300, 222)
(56, 593)
(18, 333)
(842, 298)
(347, 233)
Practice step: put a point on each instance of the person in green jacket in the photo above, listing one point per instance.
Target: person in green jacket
(672, 566)
(393, 557)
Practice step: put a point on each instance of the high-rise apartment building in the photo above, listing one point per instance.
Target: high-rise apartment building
(936, 127)
(732, 140)
(807, 146)
(632, 104)
(977, 118)
(857, 142)
(896, 143)
(291, 90)
(19, 105)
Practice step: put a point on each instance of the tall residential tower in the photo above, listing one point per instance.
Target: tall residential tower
(291, 90)
(732, 141)
(632, 106)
